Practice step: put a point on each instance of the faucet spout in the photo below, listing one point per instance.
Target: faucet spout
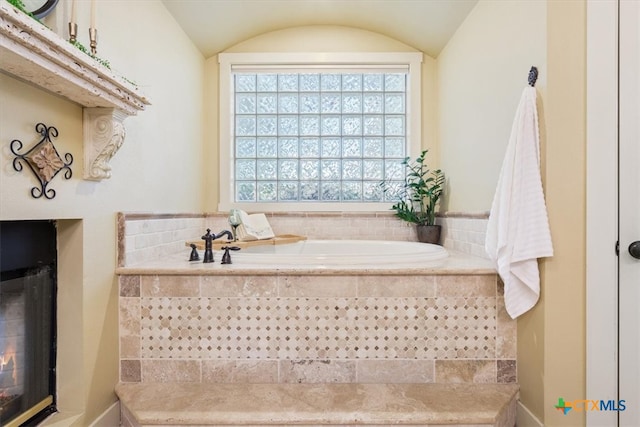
(224, 232)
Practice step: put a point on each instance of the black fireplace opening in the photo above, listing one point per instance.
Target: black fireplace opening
(28, 267)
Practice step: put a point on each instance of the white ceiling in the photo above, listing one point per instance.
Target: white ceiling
(216, 25)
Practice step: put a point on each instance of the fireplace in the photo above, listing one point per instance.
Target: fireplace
(27, 321)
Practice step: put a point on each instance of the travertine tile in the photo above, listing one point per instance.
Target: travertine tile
(466, 286)
(130, 316)
(506, 334)
(127, 419)
(317, 286)
(162, 371)
(396, 286)
(317, 371)
(239, 371)
(130, 371)
(465, 232)
(323, 327)
(129, 347)
(239, 286)
(129, 286)
(320, 404)
(318, 328)
(465, 326)
(170, 286)
(507, 417)
(150, 240)
(466, 371)
(507, 372)
(121, 240)
(395, 371)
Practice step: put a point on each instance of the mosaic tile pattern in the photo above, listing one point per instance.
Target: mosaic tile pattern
(313, 328)
(296, 328)
(384, 329)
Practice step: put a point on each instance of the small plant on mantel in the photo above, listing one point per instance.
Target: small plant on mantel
(84, 50)
(18, 4)
(418, 196)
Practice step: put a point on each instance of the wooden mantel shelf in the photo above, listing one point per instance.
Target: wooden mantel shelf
(32, 52)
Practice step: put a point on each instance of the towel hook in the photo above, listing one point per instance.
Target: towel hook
(533, 76)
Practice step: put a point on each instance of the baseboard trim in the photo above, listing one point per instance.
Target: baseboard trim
(109, 418)
(525, 418)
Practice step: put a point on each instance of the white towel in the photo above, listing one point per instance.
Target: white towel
(518, 229)
(254, 227)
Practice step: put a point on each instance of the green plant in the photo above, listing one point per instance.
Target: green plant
(84, 50)
(18, 4)
(418, 195)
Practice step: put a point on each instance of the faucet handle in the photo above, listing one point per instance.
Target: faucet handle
(226, 257)
(194, 253)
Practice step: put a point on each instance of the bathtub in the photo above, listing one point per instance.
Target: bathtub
(341, 252)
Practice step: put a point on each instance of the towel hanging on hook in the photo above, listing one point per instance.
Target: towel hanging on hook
(533, 76)
(518, 230)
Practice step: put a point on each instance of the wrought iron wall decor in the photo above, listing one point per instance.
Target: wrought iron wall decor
(43, 160)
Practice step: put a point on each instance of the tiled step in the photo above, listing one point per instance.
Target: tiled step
(198, 404)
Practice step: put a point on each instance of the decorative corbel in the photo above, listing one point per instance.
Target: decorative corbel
(103, 134)
(32, 52)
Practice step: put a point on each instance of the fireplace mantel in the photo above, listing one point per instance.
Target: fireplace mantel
(33, 53)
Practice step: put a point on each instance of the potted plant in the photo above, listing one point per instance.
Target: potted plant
(417, 197)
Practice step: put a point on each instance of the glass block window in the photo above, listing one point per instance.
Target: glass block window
(315, 131)
(315, 137)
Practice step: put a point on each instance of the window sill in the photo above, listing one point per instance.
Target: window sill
(306, 207)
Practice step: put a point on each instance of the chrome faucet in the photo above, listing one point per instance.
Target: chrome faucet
(208, 239)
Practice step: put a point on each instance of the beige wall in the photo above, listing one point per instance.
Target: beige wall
(551, 338)
(172, 148)
(160, 159)
(481, 74)
(565, 176)
(318, 38)
(321, 38)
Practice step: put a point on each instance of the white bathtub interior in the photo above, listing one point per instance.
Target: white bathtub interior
(341, 252)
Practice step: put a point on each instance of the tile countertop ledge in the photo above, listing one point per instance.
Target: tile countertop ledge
(456, 264)
(332, 404)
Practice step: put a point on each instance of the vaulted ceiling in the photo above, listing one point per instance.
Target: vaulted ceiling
(216, 25)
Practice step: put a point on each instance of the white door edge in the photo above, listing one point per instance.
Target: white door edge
(602, 218)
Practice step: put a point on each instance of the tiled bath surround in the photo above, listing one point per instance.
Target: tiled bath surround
(146, 237)
(324, 328)
(279, 327)
(464, 232)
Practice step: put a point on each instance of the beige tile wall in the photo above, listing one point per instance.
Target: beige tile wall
(149, 237)
(464, 233)
(291, 328)
(146, 237)
(346, 328)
